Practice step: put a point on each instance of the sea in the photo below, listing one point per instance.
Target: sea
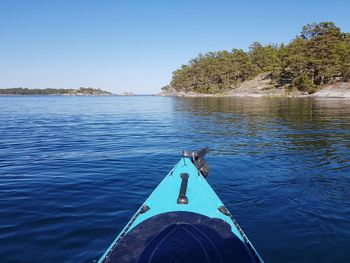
(73, 170)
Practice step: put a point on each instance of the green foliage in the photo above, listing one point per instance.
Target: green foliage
(313, 30)
(316, 54)
(303, 82)
(165, 88)
(265, 57)
(344, 48)
(214, 72)
(321, 54)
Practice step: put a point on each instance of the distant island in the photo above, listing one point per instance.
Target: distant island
(127, 93)
(69, 92)
(318, 59)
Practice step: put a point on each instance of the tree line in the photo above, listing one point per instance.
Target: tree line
(80, 91)
(318, 56)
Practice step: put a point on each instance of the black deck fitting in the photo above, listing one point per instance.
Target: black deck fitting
(182, 199)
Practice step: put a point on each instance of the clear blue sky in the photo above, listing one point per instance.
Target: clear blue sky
(136, 45)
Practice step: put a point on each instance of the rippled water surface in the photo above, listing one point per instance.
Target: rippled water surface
(73, 170)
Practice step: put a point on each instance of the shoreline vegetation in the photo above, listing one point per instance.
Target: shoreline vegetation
(315, 63)
(54, 92)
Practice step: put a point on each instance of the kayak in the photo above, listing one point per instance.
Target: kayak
(183, 220)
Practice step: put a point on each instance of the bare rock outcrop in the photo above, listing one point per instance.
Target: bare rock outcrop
(262, 85)
(336, 90)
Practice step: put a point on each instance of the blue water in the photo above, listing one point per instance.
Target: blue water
(74, 169)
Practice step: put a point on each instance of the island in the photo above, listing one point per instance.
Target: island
(315, 63)
(127, 93)
(67, 92)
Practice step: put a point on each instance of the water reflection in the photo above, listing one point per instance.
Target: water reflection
(310, 125)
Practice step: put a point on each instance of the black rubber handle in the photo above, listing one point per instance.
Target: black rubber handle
(182, 199)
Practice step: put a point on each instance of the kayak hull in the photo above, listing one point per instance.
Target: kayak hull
(183, 220)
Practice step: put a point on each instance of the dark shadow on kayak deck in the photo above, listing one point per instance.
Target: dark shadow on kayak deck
(181, 237)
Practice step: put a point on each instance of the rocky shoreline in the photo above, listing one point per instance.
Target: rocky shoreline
(262, 86)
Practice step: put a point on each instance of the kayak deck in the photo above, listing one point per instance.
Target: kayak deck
(183, 220)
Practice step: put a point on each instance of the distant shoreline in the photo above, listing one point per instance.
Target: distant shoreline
(58, 95)
(76, 95)
(54, 92)
(89, 92)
